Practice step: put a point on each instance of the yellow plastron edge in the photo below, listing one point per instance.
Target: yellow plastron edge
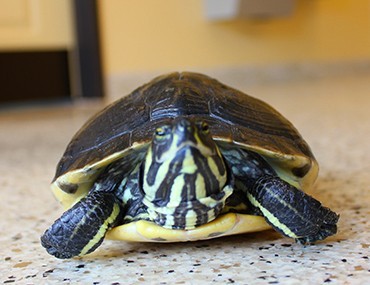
(224, 225)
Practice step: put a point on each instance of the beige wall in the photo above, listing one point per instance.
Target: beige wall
(152, 35)
(36, 24)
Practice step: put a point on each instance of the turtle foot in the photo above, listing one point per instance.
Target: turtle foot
(81, 229)
(327, 228)
(292, 212)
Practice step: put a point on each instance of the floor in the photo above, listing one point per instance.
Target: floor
(333, 115)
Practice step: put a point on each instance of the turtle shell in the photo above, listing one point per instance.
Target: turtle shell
(125, 129)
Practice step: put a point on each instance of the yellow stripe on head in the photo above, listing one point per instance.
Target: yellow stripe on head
(184, 168)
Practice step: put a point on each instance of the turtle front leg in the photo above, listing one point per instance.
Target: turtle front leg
(292, 212)
(82, 228)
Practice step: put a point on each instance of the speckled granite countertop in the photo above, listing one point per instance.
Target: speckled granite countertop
(334, 117)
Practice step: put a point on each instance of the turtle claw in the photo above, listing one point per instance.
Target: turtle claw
(327, 228)
(54, 243)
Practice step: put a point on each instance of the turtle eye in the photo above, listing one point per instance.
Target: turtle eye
(204, 127)
(160, 132)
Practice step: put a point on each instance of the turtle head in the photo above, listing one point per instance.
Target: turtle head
(174, 140)
(184, 175)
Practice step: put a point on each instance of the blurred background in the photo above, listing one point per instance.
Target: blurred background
(63, 49)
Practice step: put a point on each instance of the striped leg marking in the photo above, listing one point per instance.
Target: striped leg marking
(81, 229)
(292, 212)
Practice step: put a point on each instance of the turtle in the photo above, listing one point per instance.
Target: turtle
(182, 158)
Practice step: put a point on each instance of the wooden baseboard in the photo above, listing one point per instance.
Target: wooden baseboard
(28, 76)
